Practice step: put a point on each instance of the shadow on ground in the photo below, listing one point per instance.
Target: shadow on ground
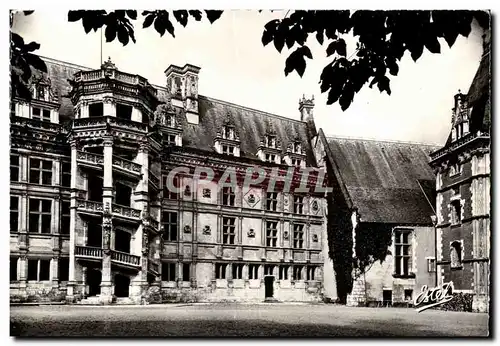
(219, 328)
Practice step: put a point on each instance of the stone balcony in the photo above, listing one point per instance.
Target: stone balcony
(125, 259)
(36, 124)
(90, 160)
(88, 252)
(120, 165)
(89, 207)
(93, 125)
(127, 167)
(154, 181)
(126, 213)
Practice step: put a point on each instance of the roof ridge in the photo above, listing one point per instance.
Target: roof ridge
(64, 63)
(383, 140)
(250, 109)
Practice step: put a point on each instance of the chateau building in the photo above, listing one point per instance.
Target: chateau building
(462, 168)
(381, 206)
(92, 218)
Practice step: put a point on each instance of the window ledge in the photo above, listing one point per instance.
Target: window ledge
(403, 276)
(457, 268)
(453, 225)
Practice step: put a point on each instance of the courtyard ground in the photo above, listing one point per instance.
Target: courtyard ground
(230, 320)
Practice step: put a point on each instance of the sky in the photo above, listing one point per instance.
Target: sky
(235, 67)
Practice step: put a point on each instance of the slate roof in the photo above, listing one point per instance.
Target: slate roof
(250, 124)
(384, 180)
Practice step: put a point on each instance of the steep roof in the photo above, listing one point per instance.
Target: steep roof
(249, 123)
(387, 182)
(479, 96)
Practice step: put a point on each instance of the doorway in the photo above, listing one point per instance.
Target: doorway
(122, 284)
(269, 285)
(94, 282)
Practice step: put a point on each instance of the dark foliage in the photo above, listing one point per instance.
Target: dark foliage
(383, 37)
(460, 302)
(372, 243)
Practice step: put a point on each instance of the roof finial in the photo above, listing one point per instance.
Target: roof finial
(108, 64)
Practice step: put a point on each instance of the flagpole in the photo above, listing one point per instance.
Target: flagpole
(100, 63)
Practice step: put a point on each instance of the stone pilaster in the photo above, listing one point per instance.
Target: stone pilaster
(70, 294)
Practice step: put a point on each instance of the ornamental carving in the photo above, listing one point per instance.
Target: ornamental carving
(251, 233)
(207, 230)
(145, 243)
(315, 238)
(187, 229)
(187, 191)
(285, 234)
(315, 206)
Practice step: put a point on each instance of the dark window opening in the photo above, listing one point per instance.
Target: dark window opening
(63, 268)
(96, 110)
(271, 233)
(283, 275)
(272, 201)
(65, 218)
(269, 269)
(298, 236)
(297, 272)
(238, 271)
(32, 270)
(122, 241)
(169, 221)
(40, 212)
(387, 296)
(186, 271)
(66, 174)
(168, 271)
(253, 271)
(40, 114)
(14, 168)
(402, 245)
(40, 172)
(311, 271)
(123, 194)
(14, 214)
(95, 188)
(228, 230)
(94, 235)
(228, 196)
(13, 269)
(123, 111)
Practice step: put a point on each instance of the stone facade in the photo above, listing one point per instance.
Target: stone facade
(92, 216)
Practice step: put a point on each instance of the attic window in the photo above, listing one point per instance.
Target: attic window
(96, 110)
(270, 158)
(40, 92)
(228, 150)
(124, 111)
(297, 147)
(169, 120)
(228, 132)
(455, 169)
(271, 141)
(41, 114)
(296, 162)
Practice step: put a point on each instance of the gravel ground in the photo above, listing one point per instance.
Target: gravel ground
(230, 320)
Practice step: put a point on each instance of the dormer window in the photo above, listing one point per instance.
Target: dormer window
(455, 169)
(228, 150)
(228, 132)
(40, 114)
(169, 120)
(297, 148)
(40, 92)
(296, 162)
(271, 141)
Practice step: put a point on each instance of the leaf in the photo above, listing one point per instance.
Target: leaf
(306, 52)
(393, 67)
(432, 44)
(337, 46)
(36, 62)
(27, 13)
(267, 37)
(346, 97)
(74, 16)
(450, 36)
(132, 14)
(279, 41)
(296, 61)
(148, 21)
(417, 51)
(123, 35)
(32, 46)
(159, 26)
(182, 17)
(168, 24)
(17, 40)
(213, 15)
(110, 32)
(196, 14)
(383, 84)
(319, 36)
(87, 24)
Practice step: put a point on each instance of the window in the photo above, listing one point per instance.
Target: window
(65, 217)
(38, 270)
(237, 271)
(284, 273)
(40, 211)
(297, 147)
(170, 139)
(228, 132)
(272, 201)
(296, 162)
(456, 254)
(228, 230)
(169, 221)
(63, 268)
(408, 295)
(455, 169)
(220, 270)
(456, 212)
(13, 269)
(431, 265)
(66, 174)
(41, 114)
(167, 193)
(40, 172)
(123, 111)
(298, 204)
(271, 141)
(402, 245)
(271, 233)
(14, 168)
(228, 150)
(14, 214)
(168, 271)
(40, 92)
(298, 236)
(253, 271)
(96, 110)
(270, 158)
(228, 196)
(268, 269)
(169, 120)
(297, 272)
(310, 273)
(186, 271)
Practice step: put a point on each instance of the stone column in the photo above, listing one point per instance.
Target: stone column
(23, 273)
(55, 271)
(140, 244)
(70, 295)
(106, 296)
(109, 107)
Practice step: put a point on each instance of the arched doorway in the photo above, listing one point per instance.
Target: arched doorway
(122, 284)
(94, 281)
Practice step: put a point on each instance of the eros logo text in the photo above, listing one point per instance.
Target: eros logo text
(433, 297)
